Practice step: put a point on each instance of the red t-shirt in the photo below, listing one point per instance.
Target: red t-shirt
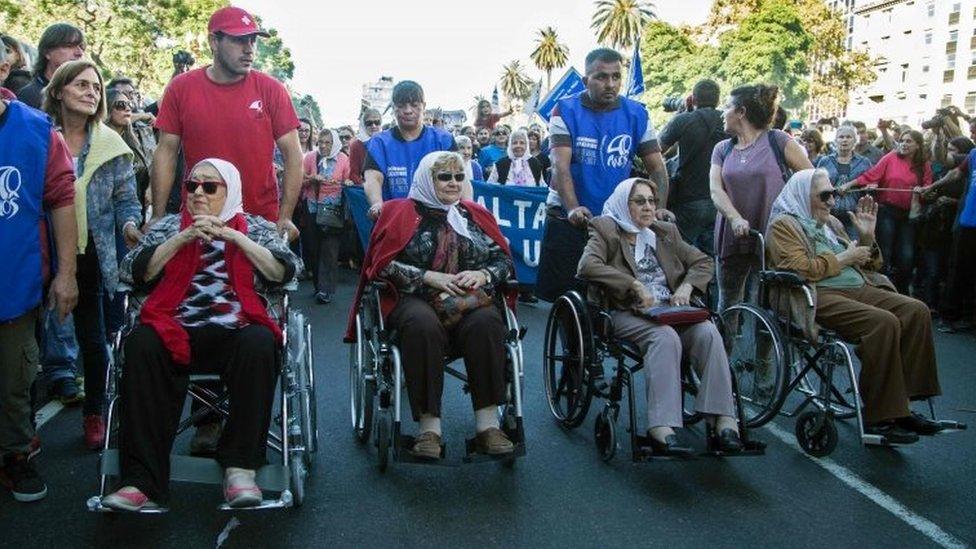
(237, 122)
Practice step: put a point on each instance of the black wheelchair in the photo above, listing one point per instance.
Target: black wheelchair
(293, 435)
(376, 386)
(578, 339)
(771, 358)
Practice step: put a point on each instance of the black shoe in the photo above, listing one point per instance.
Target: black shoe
(919, 424)
(729, 441)
(670, 447)
(67, 391)
(323, 298)
(19, 476)
(891, 432)
(527, 297)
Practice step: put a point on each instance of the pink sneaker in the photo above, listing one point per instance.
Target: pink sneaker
(131, 499)
(94, 432)
(241, 491)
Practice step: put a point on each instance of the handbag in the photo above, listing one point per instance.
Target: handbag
(330, 213)
(451, 309)
(676, 316)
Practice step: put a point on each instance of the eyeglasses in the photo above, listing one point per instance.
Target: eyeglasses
(209, 187)
(345, 137)
(827, 195)
(444, 177)
(642, 201)
(372, 123)
(122, 106)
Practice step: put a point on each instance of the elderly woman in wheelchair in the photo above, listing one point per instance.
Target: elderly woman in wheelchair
(893, 332)
(442, 260)
(645, 267)
(202, 315)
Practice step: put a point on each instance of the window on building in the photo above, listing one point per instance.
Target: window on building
(931, 8)
(928, 37)
(953, 35)
(971, 73)
(950, 60)
(946, 100)
(948, 76)
(970, 103)
(904, 72)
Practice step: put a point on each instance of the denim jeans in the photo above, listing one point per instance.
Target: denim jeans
(59, 348)
(896, 237)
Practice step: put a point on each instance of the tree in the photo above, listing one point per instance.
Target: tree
(307, 107)
(549, 53)
(618, 22)
(273, 57)
(514, 82)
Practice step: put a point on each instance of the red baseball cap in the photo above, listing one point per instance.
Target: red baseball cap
(234, 22)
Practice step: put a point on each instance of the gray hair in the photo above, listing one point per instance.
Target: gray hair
(3, 52)
(462, 140)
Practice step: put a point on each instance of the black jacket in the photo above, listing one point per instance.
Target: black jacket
(504, 164)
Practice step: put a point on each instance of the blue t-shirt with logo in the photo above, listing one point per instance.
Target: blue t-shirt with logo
(604, 143)
(396, 159)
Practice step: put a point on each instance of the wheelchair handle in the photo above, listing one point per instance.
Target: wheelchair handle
(762, 247)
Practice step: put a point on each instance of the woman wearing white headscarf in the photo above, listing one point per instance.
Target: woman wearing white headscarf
(519, 167)
(443, 258)
(893, 332)
(640, 263)
(203, 269)
(326, 171)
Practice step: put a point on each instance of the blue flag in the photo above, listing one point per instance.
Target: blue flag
(570, 84)
(636, 73)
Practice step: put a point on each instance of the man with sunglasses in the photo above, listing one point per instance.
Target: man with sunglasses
(393, 155)
(227, 110)
(370, 124)
(595, 137)
(496, 150)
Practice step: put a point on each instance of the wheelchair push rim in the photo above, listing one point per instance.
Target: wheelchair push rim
(758, 361)
(565, 370)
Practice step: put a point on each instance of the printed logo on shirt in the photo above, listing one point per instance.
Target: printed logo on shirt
(618, 151)
(257, 109)
(397, 176)
(586, 150)
(10, 184)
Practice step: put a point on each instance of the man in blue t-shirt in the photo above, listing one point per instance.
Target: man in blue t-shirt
(594, 138)
(393, 155)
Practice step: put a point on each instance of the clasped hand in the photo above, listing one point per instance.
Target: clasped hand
(455, 284)
(209, 228)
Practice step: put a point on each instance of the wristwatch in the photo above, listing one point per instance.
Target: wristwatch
(488, 277)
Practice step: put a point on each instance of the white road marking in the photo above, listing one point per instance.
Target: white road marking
(45, 414)
(926, 527)
(231, 524)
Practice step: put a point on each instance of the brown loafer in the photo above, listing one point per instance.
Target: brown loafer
(494, 442)
(427, 445)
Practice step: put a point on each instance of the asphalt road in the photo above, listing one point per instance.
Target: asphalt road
(560, 494)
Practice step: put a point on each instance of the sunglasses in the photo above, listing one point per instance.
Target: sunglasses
(122, 106)
(444, 177)
(372, 123)
(641, 201)
(827, 195)
(345, 137)
(209, 187)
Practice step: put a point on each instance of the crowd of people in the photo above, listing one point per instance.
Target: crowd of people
(101, 194)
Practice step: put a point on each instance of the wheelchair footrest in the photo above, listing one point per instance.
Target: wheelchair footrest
(281, 503)
(950, 426)
(404, 455)
(750, 448)
(644, 452)
(94, 505)
(273, 478)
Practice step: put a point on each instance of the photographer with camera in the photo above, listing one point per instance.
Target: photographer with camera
(695, 130)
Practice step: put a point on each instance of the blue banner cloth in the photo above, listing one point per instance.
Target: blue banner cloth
(636, 86)
(570, 84)
(520, 212)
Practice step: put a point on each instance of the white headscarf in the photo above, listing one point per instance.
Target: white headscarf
(520, 173)
(423, 191)
(460, 140)
(795, 198)
(336, 145)
(234, 204)
(617, 207)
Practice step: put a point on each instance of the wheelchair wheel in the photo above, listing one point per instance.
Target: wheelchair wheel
(816, 433)
(567, 354)
(604, 432)
(758, 360)
(383, 435)
(362, 391)
(299, 475)
(837, 356)
(689, 392)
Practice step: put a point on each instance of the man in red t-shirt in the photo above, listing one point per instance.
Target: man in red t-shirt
(228, 111)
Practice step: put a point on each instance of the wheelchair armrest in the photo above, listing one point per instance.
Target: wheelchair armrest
(783, 278)
(378, 285)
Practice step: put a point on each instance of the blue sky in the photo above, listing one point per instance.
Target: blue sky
(455, 49)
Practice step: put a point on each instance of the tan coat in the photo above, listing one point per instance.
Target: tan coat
(608, 261)
(789, 249)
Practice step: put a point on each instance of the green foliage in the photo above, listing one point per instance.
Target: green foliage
(618, 23)
(549, 53)
(273, 57)
(515, 83)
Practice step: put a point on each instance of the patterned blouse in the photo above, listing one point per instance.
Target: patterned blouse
(430, 249)
(651, 276)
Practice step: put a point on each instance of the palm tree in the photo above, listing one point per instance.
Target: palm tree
(618, 23)
(549, 54)
(514, 82)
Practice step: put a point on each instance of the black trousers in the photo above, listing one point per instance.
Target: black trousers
(562, 247)
(153, 390)
(960, 289)
(479, 337)
(90, 329)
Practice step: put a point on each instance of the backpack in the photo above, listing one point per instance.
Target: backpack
(778, 152)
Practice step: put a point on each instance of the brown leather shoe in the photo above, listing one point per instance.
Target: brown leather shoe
(493, 442)
(427, 445)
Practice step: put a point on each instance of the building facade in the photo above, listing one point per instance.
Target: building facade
(925, 57)
(378, 94)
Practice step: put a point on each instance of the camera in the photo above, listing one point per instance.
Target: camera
(674, 104)
(184, 58)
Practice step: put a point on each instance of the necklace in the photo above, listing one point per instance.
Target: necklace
(745, 152)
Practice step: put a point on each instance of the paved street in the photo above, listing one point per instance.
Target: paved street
(560, 494)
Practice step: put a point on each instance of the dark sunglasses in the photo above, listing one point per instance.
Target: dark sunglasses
(641, 201)
(345, 137)
(122, 106)
(445, 177)
(209, 187)
(372, 123)
(827, 195)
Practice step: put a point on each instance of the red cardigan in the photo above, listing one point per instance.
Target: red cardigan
(396, 226)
